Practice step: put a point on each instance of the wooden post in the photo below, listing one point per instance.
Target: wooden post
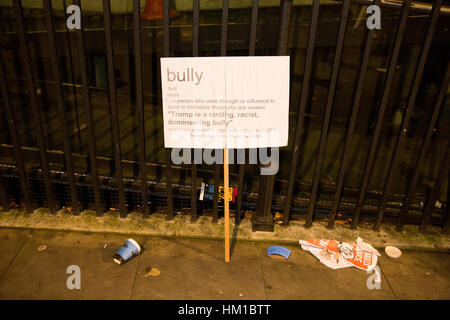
(227, 207)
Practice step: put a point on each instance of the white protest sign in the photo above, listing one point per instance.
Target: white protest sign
(225, 102)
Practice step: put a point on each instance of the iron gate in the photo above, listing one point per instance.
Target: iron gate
(81, 176)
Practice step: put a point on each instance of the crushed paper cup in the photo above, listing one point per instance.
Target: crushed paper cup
(130, 249)
(278, 251)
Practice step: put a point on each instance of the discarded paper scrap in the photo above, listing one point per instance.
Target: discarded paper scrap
(335, 254)
(278, 216)
(154, 272)
(207, 192)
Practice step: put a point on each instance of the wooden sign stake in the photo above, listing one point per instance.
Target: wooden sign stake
(227, 205)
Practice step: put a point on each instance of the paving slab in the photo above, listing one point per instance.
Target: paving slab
(418, 274)
(195, 269)
(42, 274)
(11, 241)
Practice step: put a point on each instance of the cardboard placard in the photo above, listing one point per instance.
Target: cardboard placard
(225, 102)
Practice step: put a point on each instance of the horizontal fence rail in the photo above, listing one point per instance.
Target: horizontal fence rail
(38, 176)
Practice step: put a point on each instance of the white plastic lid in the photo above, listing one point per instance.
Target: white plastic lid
(135, 244)
(393, 252)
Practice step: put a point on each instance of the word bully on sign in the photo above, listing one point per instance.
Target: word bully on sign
(184, 76)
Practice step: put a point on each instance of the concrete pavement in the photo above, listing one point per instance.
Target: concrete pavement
(195, 269)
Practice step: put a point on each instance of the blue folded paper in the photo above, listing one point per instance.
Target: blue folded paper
(279, 251)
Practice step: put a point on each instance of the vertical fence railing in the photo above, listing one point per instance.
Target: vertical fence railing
(140, 104)
(57, 75)
(424, 148)
(195, 31)
(301, 110)
(266, 183)
(382, 108)
(241, 166)
(327, 114)
(168, 161)
(72, 78)
(18, 155)
(446, 225)
(437, 188)
(263, 220)
(343, 165)
(84, 74)
(3, 195)
(31, 88)
(398, 149)
(113, 104)
(223, 52)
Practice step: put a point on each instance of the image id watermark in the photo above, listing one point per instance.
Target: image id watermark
(74, 20)
(74, 280)
(268, 157)
(374, 280)
(374, 20)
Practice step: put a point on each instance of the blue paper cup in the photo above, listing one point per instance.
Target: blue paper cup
(130, 249)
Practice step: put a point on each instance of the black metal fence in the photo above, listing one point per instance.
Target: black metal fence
(34, 174)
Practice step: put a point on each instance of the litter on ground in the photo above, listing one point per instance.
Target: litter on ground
(154, 272)
(278, 252)
(336, 255)
(393, 252)
(130, 249)
(277, 216)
